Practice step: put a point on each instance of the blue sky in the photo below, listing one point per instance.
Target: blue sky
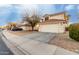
(13, 12)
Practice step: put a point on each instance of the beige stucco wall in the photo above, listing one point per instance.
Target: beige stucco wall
(29, 27)
(26, 28)
(53, 28)
(60, 16)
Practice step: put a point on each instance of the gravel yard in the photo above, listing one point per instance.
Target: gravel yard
(64, 41)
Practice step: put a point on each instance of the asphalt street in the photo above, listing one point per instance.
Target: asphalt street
(4, 50)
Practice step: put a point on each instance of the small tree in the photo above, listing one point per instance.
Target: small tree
(32, 20)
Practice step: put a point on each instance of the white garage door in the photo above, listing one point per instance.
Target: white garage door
(54, 28)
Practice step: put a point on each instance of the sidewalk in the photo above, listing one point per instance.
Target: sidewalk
(23, 46)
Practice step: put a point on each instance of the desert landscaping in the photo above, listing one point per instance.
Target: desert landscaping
(40, 34)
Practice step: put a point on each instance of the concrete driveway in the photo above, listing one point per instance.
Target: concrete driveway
(40, 36)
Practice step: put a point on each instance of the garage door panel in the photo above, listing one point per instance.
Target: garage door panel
(52, 28)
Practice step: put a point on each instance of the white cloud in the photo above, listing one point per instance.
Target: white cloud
(5, 5)
(1, 5)
(29, 8)
(78, 7)
(69, 7)
(47, 9)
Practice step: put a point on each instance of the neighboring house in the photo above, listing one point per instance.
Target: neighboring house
(25, 26)
(55, 23)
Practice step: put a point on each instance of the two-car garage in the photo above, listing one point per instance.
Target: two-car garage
(54, 28)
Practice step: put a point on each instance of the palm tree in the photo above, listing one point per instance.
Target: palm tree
(67, 16)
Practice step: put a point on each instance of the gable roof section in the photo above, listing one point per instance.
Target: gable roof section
(55, 14)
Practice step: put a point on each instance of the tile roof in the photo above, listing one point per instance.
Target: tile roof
(53, 21)
(54, 14)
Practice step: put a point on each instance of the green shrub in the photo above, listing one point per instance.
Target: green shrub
(74, 32)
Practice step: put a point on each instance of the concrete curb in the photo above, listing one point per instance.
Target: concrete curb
(16, 50)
